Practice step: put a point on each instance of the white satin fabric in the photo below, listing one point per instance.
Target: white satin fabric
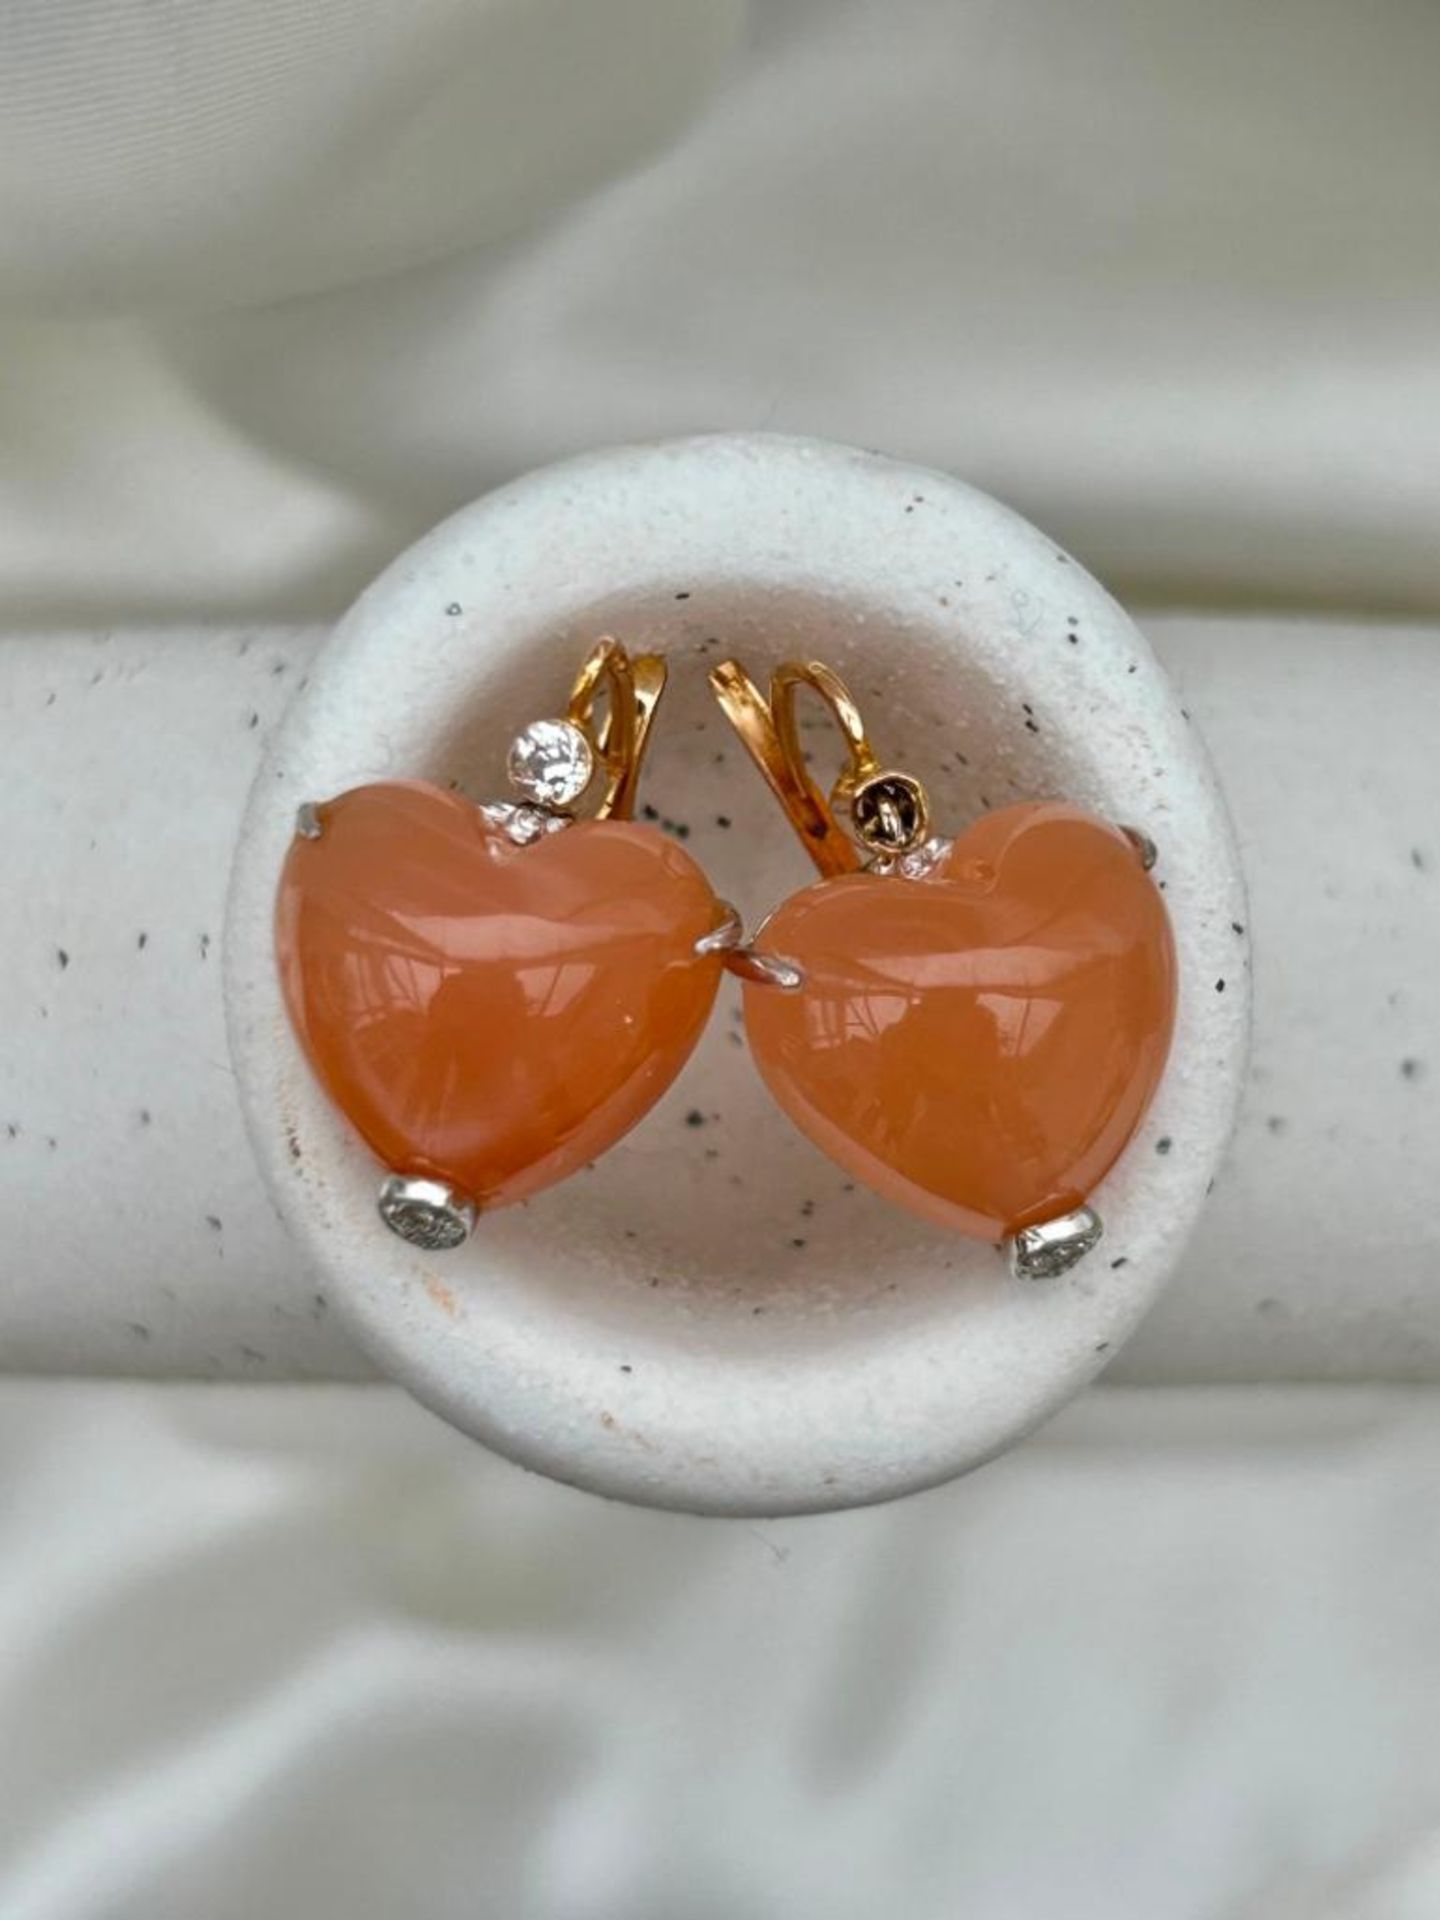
(1165, 277)
(1168, 278)
(305, 1652)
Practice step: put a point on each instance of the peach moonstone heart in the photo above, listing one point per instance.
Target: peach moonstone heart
(484, 1013)
(978, 1045)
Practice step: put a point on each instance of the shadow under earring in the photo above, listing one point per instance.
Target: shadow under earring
(973, 1028)
(493, 995)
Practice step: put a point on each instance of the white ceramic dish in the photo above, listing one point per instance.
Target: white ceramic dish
(711, 1318)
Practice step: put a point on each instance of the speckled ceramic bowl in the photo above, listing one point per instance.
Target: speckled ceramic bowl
(712, 1317)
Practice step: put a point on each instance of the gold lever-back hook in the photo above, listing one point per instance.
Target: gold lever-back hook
(887, 809)
(632, 690)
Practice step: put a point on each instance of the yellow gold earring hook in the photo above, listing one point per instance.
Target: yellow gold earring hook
(632, 690)
(888, 810)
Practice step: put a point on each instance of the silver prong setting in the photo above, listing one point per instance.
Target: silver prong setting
(307, 820)
(1052, 1248)
(522, 824)
(727, 936)
(1146, 848)
(426, 1213)
(765, 969)
(918, 864)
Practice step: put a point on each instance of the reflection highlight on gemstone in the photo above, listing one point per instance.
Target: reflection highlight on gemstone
(492, 1014)
(979, 1045)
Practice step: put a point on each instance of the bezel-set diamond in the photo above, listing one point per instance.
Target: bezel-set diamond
(1052, 1248)
(426, 1213)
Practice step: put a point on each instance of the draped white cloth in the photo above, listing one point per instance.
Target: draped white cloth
(280, 285)
(306, 1652)
(1166, 278)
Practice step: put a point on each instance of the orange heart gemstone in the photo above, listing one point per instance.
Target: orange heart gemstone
(488, 1014)
(981, 1044)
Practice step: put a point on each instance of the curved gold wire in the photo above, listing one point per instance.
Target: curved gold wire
(770, 734)
(772, 743)
(631, 690)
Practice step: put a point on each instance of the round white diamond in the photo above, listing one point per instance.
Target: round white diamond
(551, 762)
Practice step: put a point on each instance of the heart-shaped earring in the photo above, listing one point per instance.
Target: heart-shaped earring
(493, 995)
(975, 1029)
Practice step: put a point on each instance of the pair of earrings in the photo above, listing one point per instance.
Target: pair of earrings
(494, 995)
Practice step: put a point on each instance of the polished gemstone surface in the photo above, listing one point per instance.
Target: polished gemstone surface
(491, 1014)
(978, 1045)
